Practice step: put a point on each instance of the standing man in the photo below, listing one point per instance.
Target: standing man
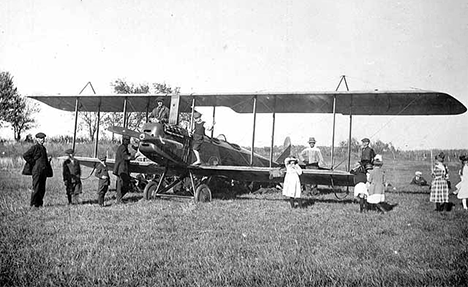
(313, 159)
(198, 133)
(122, 162)
(367, 154)
(71, 171)
(160, 113)
(36, 157)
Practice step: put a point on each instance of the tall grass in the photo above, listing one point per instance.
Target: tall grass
(252, 240)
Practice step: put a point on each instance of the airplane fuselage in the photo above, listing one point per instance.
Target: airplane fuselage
(170, 145)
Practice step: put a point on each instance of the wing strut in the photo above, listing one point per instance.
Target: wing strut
(273, 131)
(253, 130)
(77, 102)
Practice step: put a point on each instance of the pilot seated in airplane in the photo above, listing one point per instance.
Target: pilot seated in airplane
(198, 132)
(160, 113)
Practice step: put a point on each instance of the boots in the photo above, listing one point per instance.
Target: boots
(69, 197)
(361, 204)
(437, 207)
(291, 201)
(299, 202)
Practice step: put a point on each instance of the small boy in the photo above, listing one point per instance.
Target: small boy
(102, 172)
(71, 172)
(360, 188)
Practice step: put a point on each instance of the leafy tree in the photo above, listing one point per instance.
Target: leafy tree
(15, 109)
(22, 118)
(8, 96)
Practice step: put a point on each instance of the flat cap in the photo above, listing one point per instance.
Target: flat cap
(69, 151)
(40, 135)
(102, 157)
(197, 115)
(365, 140)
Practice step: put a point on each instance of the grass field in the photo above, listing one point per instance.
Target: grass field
(252, 240)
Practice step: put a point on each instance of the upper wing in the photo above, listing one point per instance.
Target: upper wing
(265, 174)
(134, 167)
(412, 102)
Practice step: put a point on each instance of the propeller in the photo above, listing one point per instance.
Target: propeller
(124, 131)
(149, 138)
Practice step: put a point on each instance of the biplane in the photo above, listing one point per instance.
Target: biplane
(167, 146)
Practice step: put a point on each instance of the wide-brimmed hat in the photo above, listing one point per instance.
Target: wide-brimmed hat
(463, 158)
(418, 173)
(365, 140)
(440, 156)
(40, 135)
(312, 140)
(378, 160)
(292, 159)
(69, 151)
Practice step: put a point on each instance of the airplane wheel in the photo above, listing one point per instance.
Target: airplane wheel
(149, 189)
(203, 193)
(339, 193)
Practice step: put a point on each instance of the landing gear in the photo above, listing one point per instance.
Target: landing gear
(182, 186)
(202, 193)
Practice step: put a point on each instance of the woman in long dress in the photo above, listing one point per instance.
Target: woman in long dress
(439, 186)
(292, 184)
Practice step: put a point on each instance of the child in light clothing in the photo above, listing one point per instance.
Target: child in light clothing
(462, 186)
(376, 180)
(292, 184)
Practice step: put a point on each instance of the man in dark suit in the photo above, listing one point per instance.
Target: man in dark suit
(122, 162)
(37, 158)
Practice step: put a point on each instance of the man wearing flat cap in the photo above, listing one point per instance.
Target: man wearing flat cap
(312, 158)
(38, 161)
(71, 171)
(367, 154)
(160, 113)
(121, 169)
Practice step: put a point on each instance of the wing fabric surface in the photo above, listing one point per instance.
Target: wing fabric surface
(411, 102)
(135, 166)
(263, 174)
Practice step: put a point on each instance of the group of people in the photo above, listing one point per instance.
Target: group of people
(38, 163)
(39, 167)
(369, 177)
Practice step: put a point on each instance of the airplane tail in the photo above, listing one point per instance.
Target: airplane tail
(286, 151)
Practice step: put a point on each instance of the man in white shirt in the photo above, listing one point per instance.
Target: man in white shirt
(313, 159)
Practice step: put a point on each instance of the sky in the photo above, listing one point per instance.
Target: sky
(57, 46)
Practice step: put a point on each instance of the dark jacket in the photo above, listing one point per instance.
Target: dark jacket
(36, 156)
(122, 161)
(102, 170)
(71, 172)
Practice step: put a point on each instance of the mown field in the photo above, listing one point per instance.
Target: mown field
(251, 240)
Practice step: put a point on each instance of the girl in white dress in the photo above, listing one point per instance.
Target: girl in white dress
(292, 184)
(462, 186)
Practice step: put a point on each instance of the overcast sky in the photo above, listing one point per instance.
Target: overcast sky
(57, 46)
